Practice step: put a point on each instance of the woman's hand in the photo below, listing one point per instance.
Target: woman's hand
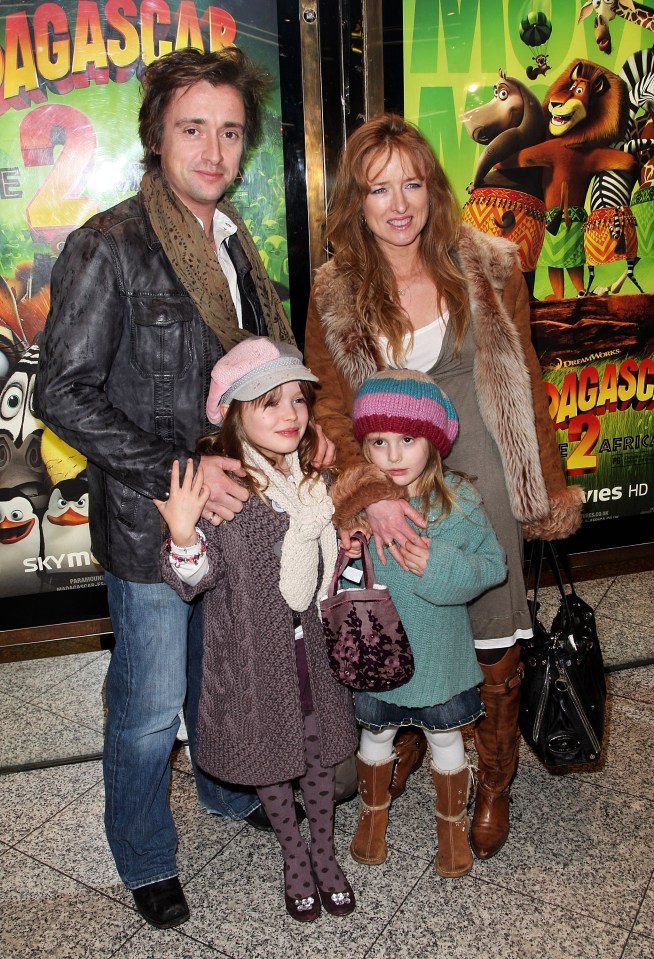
(185, 504)
(226, 496)
(388, 522)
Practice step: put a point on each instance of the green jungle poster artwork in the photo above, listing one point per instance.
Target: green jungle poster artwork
(542, 115)
(69, 147)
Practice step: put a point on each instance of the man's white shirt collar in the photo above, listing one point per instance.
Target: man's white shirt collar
(223, 228)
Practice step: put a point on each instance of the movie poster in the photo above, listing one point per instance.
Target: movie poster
(542, 115)
(69, 97)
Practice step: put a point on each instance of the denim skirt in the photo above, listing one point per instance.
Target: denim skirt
(461, 710)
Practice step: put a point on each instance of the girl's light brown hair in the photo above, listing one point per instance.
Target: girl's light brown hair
(357, 253)
(229, 440)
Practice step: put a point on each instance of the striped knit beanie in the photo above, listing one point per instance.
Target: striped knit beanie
(407, 402)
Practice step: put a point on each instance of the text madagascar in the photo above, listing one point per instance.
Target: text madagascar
(59, 49)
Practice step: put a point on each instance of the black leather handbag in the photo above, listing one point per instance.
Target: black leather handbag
(563, 692)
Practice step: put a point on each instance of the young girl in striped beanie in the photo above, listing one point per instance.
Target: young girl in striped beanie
(406, 426)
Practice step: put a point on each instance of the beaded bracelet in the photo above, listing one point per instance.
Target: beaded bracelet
(190, 554)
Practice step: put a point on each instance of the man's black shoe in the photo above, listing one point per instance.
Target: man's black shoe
(260, 820)
(162, 904)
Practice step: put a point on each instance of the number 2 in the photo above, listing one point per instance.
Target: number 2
(58, 206)
(585, 429)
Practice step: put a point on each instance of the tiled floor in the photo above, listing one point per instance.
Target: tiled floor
(575, 880)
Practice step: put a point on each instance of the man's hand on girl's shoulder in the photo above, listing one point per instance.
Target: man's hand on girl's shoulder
(226, 496)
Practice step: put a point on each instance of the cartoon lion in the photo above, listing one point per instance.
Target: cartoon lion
(586, 108)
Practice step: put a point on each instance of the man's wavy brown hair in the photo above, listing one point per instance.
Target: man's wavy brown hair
(184, 68)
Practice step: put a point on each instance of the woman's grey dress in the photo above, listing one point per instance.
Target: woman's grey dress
(502, 610)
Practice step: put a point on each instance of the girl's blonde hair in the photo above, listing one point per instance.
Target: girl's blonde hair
(357, 253)
(229, 439)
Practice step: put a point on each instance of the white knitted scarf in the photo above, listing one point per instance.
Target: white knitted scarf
(309, 510)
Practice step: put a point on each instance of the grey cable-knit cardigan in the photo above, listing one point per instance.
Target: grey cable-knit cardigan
(250, 723)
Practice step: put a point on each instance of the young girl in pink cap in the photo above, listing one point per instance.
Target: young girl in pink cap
(406, 426)
(271, 710)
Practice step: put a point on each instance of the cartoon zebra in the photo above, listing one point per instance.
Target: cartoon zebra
(611, 192)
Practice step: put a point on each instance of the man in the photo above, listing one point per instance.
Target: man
(145, 298)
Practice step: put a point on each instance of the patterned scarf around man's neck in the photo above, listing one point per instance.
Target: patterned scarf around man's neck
(309, 510)
(193, 259)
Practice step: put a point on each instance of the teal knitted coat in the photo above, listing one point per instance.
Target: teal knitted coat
(465, 559)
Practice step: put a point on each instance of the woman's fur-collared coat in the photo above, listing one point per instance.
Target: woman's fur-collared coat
(342, 349)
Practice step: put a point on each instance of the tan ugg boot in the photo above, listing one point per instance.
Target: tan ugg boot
(454, 856)
(496, 738)
(369, 843)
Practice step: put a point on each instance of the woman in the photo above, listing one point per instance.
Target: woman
(411, 286)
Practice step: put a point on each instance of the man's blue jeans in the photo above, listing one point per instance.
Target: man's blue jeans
(146, 689)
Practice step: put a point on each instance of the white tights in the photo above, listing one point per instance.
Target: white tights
(446, 746)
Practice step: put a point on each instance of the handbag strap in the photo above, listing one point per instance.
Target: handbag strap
(553, 559)
(554, 563)
(564, 564)
(342, 561)
(366, 558)
(535, 566)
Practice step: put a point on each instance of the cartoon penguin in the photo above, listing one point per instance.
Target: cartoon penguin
(66, 519)
(20, 432)
(20, 541)
(16, 399)
(66, 529)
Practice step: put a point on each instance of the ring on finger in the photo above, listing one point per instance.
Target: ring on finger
(390, 543)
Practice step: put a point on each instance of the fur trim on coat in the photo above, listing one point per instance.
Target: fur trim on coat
(564, 518)
(355, 489)
(342, 349)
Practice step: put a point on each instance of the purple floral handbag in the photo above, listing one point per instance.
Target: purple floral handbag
(367, 645)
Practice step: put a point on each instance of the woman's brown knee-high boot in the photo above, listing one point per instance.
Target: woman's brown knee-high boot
(454, 857)
(369, 843)
(496, 738)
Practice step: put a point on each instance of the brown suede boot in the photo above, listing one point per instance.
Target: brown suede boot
(410, 747)
(454, 856)
(496, 739)
(369, 843)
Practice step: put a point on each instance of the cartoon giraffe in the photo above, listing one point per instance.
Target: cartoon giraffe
(607, 10)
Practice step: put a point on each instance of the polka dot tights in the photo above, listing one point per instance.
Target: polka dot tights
(317, 786)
